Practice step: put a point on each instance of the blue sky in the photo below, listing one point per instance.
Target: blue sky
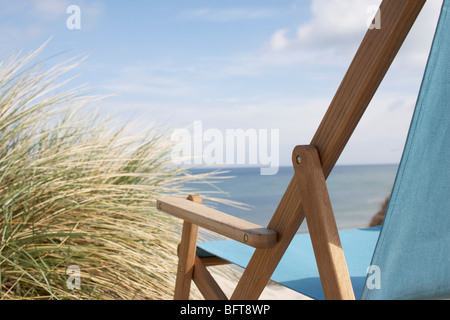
(261, 64)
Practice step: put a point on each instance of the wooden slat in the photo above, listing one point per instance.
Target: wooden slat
(186, 258)
(224, 224)
(206, 283)
(186, 261)
(214, 261)
(322, 227)
(370, 64)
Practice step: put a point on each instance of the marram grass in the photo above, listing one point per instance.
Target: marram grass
(78, 189)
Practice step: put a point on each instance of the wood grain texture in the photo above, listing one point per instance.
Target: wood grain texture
(224, 224)
(334, 276)
(213, 261)
(206, 283)
(186, 258)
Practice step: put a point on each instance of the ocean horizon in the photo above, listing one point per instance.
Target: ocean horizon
(356, 192)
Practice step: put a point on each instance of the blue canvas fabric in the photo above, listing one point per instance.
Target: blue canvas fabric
(297, 269)
(413, 251)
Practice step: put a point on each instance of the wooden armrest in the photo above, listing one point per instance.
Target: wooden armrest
(219, 222)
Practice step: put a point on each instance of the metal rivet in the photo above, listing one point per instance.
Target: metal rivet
(245, 237)
(299, 159)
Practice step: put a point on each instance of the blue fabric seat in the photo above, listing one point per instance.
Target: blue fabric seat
(411, 251)
(298, 270)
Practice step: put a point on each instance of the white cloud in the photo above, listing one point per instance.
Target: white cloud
(278, 41)
(417, 46)
(50, 9)
(329, 37)
(335, 22)
(332, 36)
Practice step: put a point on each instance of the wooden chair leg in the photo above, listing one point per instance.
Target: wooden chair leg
(322, 226)
(186, 261)
(186, 257)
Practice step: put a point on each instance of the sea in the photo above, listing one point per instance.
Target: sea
(356, 192)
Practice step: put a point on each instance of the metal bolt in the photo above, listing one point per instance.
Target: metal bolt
(245, 237)
(299, 159)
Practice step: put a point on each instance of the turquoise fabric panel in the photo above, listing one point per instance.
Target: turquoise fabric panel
(297, 269)
(413, 250)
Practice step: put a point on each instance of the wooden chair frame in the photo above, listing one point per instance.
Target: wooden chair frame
(307, 195)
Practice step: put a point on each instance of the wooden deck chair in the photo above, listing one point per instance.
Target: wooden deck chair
(407, 258)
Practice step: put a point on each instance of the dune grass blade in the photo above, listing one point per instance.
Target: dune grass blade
(77, 189)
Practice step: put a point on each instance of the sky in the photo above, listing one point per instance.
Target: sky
(247, 64)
